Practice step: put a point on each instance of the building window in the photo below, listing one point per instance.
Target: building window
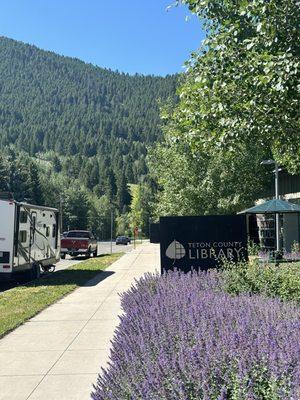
(23, 217)
(23, 236)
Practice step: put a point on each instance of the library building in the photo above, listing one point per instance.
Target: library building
(262, 219)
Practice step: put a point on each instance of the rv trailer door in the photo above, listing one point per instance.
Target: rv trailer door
(7, 223)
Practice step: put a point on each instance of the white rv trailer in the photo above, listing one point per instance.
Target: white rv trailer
(29, 238)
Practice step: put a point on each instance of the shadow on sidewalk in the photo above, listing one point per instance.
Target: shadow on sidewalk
(85, 276)
(78, 277)
(99, 278)
(83, 258)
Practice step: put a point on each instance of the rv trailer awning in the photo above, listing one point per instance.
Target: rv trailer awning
(275, 206)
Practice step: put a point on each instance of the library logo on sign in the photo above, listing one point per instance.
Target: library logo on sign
(175, 250)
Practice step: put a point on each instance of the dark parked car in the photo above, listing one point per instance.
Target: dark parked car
(123, 240)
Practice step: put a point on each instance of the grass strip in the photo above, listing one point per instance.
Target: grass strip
(19, 304)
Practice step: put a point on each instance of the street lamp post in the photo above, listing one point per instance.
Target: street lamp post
(270, 162)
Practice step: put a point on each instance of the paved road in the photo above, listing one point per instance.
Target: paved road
(103, 248)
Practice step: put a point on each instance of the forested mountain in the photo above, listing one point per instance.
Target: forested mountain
(50, 102)
(89, 123)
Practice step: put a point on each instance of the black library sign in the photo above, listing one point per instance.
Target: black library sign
(202, 242)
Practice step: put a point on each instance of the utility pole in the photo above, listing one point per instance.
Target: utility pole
(61, 213)
(111, 229)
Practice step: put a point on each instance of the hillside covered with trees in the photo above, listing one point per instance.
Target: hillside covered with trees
(84, 127)
(108, 141)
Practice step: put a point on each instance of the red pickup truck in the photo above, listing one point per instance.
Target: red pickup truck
(75, 243)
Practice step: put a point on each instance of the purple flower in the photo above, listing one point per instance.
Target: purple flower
(264, 255)
(182, 337)
(293, 256)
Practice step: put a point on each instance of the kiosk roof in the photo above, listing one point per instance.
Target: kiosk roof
(275, 206)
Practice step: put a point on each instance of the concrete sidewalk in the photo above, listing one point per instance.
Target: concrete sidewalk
(57, 355)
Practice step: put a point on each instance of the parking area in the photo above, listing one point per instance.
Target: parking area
(103, 248)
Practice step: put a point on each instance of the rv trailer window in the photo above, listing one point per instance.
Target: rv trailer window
(54, 231)
(23, 217)
(23, 236)
(48, 231)
(4, 257)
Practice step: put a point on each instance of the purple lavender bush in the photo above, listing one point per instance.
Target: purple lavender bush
(264, 255)
(292, 256)
(182, 338)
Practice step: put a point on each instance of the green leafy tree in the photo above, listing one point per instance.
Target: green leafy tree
(142, 198)
(239, 104)
(197, 184)
(123, 226)
(99, 215)
(243, 84)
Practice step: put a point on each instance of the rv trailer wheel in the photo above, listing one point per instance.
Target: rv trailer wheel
(33, 273)
(88, 253)
(36, 271)
(48, 268)
(51, 268)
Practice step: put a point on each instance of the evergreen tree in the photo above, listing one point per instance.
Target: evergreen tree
(91, 131)
(76, 208)
(4, 174)
(56, 164)
(34, 189)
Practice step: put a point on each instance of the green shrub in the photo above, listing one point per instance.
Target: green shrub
(295, 247)
(253, 248)
(281, 281)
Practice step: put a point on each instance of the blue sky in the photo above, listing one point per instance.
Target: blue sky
(128, 35)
